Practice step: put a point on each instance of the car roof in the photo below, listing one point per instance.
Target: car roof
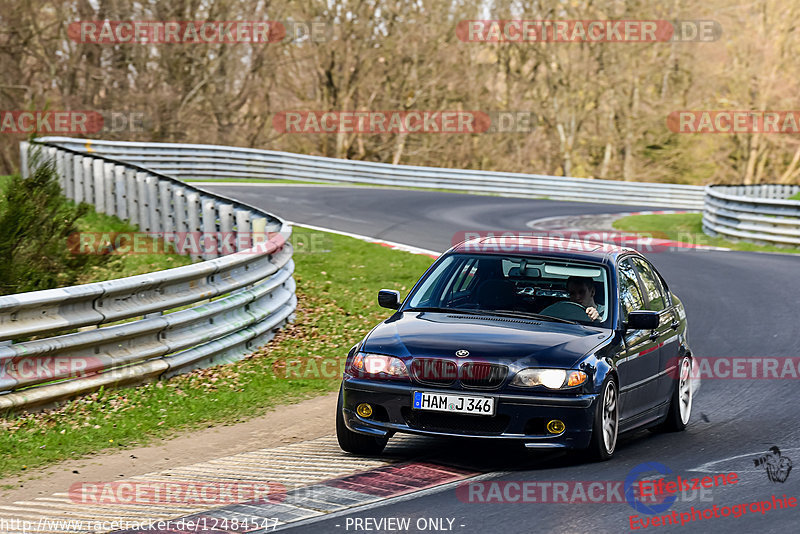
(539, 246)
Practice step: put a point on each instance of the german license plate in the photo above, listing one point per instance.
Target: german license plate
(444, 402)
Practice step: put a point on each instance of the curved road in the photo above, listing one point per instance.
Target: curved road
(738, 304)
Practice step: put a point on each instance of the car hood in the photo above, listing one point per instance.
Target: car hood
(490, 338)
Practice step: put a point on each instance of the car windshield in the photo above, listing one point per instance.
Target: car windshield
(557, 290)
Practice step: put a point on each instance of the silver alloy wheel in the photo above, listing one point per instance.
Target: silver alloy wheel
(610, 417)
(685, 390)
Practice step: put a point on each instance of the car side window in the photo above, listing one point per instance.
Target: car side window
(652, 286)
(629, 293)
(664, 287)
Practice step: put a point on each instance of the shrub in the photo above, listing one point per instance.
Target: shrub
(35, 221)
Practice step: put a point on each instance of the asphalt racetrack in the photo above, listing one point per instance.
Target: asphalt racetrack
(739, 304)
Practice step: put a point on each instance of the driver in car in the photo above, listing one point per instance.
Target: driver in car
(581, 291)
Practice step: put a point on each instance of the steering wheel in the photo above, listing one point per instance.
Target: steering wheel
(566, 309)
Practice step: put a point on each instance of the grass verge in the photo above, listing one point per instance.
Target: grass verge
(337, 285)
(100, 228)
(796, 196)
(688, 228)
(115, 265)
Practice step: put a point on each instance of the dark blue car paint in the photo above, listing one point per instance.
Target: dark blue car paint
(635, 359)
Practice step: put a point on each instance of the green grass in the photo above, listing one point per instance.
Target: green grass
(688, 228)
(337, 284)
(796, 196)
(119, 265)
(123, 264)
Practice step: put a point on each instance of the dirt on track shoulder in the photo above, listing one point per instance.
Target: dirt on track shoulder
(287, 424)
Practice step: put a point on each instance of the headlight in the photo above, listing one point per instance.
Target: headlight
(378, 365)
(549, 378)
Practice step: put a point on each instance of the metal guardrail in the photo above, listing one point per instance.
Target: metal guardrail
(176, 320)
(210, 162)
(757, 213)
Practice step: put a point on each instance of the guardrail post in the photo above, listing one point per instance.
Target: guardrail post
(210, 236)
(142, 197)
(152, 203)
(62, 182)
(167, 215)
(88, 180)
(24, 146)
(226, 243)
(193, 214)
(179, 209)
(259, 225)
(120, 192)
(109, 199)
(244, 234)
(77, 178)
(131, 190)
(98, 167)
(69, 176)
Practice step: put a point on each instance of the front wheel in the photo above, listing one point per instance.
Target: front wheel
(606, 422)
(353, 442)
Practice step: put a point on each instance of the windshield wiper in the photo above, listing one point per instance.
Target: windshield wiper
(514, 313)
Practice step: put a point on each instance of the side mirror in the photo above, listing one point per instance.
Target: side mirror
(643, 320)
(389, 298)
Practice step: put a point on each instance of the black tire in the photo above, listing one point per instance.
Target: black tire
(353, 442)
(680, 404)
(599, 449)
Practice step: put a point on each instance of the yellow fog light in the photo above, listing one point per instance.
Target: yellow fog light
(364, 410)
(556, 427)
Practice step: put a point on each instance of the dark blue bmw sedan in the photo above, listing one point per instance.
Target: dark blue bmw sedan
(552, 343)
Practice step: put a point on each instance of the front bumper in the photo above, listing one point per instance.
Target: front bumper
(518, 416)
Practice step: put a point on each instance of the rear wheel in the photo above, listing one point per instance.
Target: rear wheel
(354, 442)
(680, 406)
(606, 422)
